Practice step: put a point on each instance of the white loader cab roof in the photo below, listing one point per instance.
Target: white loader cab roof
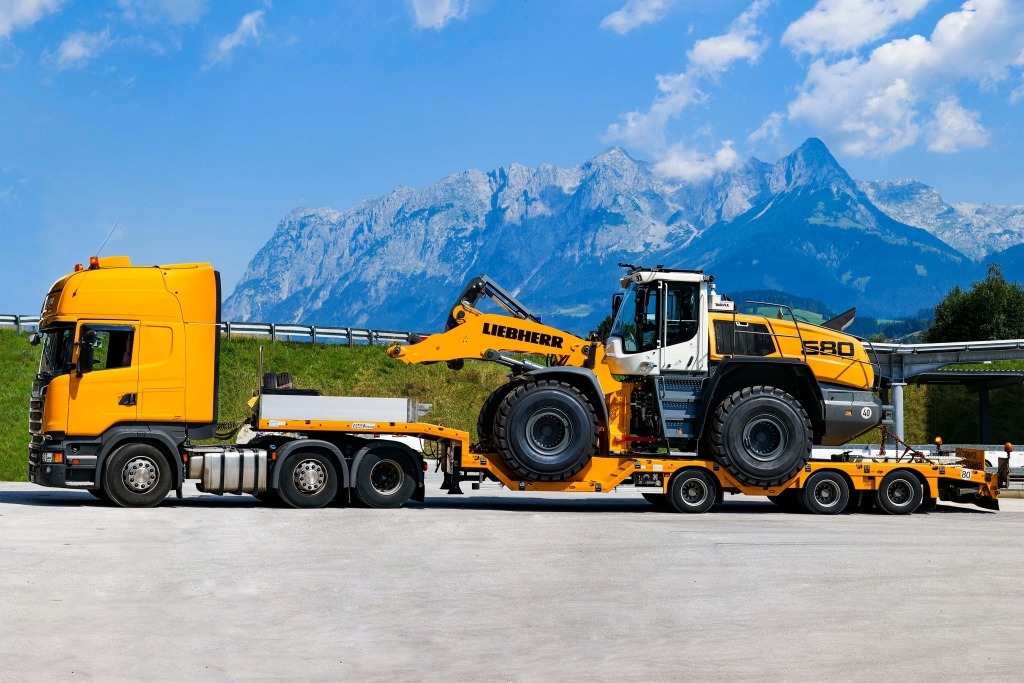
(644, 275)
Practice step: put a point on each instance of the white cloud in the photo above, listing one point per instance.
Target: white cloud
(636, 13)
(680, 163)
(844, 25)
(954, 128)
(155, 11)
(872, 105)
(19, 14)
(80, 47)
(706, 60)
(436, 13)
(770, 128)
(249, 30)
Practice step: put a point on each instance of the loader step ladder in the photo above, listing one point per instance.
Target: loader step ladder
(679, 404)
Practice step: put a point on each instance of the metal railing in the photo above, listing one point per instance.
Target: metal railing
(275, 331)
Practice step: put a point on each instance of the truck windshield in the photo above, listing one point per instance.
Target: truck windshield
(57, 344)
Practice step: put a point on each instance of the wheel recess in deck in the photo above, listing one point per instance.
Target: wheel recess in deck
(761, 435)
(546, 430)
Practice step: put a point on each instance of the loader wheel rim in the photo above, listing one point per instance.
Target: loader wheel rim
(386, 477)
(140, 474)
(765, 438)
(827, 493)
(899, 492)
(549, 431)
(694, 492)
(310, 477)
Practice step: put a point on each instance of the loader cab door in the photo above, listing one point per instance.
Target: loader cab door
(658, 327)
(105, 382)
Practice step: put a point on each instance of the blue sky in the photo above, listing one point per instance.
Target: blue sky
(196, 126)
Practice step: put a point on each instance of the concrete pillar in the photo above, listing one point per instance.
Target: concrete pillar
(897, 403)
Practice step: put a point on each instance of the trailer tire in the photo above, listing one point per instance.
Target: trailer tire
(137, 475)
(386, 478)
(693, 491)
(485, 421)
(546, 430)
(761, 435)
(308, 480)
(899, 493)
(825, 493)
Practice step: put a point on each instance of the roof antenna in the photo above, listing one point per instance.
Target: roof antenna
(109, 234)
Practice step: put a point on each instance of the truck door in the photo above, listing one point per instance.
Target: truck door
(681, 320)
(107, 392)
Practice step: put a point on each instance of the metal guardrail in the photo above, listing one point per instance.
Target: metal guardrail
(275, 331)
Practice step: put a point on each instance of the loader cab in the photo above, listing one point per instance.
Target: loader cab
(660, 324)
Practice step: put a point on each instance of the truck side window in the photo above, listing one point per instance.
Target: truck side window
(112, 346)
(681, 312)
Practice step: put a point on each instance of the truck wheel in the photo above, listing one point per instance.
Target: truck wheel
(386, 478)
(485, 427)
(308, 480)
(137, 475)
(761, 435)
(546, 430)
(825, 493)
(899, 493)
(692, 491)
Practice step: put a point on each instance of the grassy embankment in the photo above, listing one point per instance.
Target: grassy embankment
(950, 412)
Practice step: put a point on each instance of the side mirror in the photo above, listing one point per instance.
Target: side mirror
(33, 339)
(616, 302)
(86, 352)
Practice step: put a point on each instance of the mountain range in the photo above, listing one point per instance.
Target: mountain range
(553, 237)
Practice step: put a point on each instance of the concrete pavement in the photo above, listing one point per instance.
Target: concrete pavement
(501, 585)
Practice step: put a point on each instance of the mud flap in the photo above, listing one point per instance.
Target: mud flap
(985, 502)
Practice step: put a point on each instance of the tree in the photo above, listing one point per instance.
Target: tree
(604, 328)
(990, 309)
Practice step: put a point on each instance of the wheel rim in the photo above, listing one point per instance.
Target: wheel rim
(899, 492)
(764, 438)
(310, 476)
(827, 493)
(694, 492)
(549, 431)
(140, 474)
(386, 477)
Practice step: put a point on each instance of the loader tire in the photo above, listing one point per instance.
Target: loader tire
(485, 421)
(761, 435)
(546, 430)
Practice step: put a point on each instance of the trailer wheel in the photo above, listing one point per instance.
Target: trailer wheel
(899, 493)
(761, 435)
(485, 421)
(825, 493)
(308, 480)
(546, 430)
(692, 491)
(658, 500)
(137, 475)
(386, 478)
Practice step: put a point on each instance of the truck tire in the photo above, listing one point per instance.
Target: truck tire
(825, 493)
(485, 421)
(899, 493)
(761, 435)
(308, 480)
(137, 475)
(386, 478)
(693, 491)
(546, 430)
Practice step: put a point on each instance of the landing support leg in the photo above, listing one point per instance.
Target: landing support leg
(897, 402)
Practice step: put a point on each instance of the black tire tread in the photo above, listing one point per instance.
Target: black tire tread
(718, 429)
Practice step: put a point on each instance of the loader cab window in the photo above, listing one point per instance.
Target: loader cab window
(636, 321)
(681, 303)
(112, 345)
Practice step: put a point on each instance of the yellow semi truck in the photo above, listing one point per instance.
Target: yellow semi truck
(688, 399)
